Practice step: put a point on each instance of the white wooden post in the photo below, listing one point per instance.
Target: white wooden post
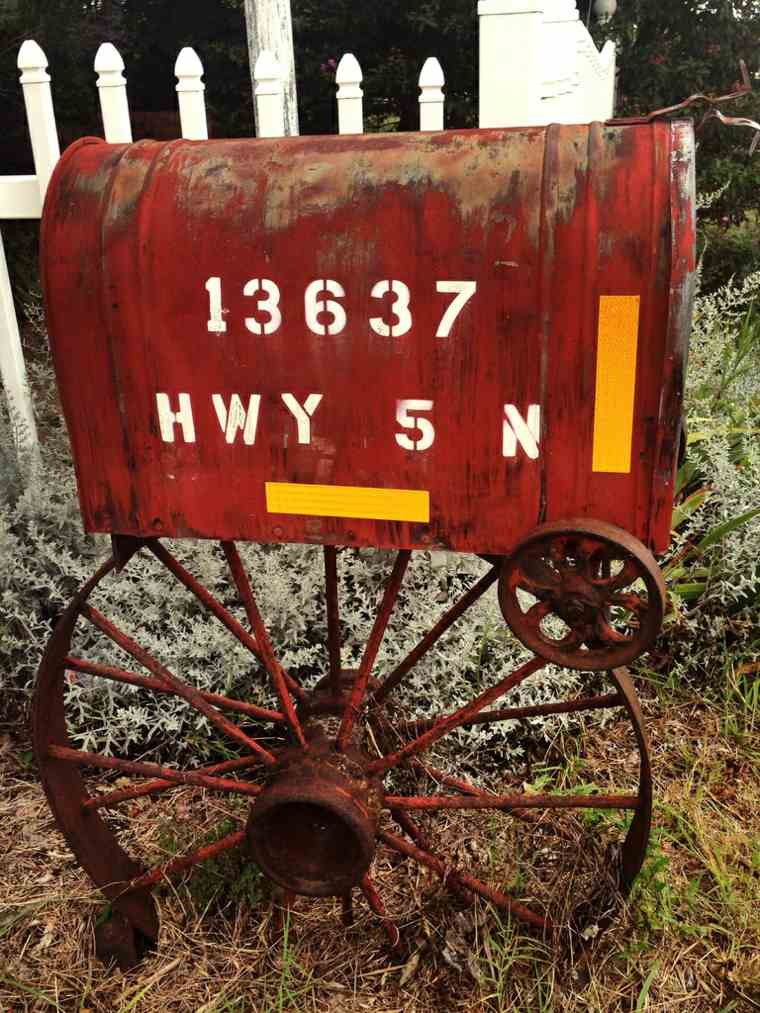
(12, 366)
(112, 89)
(510, 62)
(40, 116)
(269, 28)
(560, 23)
(268, 96)
(190, 88)
(348, 78)
(431, 95)
(609, 82)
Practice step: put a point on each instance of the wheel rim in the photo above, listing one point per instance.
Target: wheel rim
(322, 780)
(583, 594)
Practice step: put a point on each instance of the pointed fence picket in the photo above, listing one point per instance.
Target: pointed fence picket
(431, 95)
(350, 95)
(538, 64)
(112, 89)
(190, 95)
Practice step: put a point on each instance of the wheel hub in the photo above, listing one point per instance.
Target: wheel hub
(313, 828)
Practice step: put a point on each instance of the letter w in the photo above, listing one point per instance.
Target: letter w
(236, 417)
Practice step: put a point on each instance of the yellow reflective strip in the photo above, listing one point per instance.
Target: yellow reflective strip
(348, 501)
(617, 345)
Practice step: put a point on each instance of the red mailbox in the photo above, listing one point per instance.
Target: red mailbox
(410, 341)
(472, 340)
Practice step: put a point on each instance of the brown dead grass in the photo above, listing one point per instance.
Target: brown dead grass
(690, 940)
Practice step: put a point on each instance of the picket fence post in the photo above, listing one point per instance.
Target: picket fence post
(112, 88)
(43, 134)
(350, 96)
(190, 88)
(40, 115)
(432, 98)
(269, 96)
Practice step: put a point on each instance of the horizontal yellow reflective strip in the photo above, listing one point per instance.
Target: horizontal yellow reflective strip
(617, 348)
(358, 502)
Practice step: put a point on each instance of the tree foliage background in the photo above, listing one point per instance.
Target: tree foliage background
(666, 51)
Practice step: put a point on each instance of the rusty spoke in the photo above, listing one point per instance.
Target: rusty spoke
(176, 865)
(359, 689)
(333, 618)
(434, 803)
(157, 686)
(438, 866)
(276, 672)
(373, 899)
(152, 770)
(585, 703)
(448, 619)
(156, 787)
(183, 689)
(467, 789)
(456, 719)
(347, 910)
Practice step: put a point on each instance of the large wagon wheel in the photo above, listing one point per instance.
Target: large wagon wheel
(323, 802)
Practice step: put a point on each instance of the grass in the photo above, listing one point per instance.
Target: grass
(688, 940)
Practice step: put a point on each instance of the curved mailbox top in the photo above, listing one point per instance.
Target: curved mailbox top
(411, 340)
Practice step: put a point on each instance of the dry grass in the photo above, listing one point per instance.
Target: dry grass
(690, 939)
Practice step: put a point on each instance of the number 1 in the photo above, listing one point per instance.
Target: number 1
(214, 288)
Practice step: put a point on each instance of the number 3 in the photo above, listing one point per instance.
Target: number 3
(400, 309)
(409, 421)
(269, 304)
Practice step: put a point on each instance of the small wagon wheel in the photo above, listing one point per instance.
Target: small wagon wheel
(321, 803)
(583, 594)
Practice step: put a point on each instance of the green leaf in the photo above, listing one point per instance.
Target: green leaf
(719, 532)
(689, 506)
(642, 1001)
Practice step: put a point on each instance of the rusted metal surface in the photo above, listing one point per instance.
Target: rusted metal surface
(184, 862)
(315, 825)
(282, 682)
(159, 785)
(333, 616)
(496, 897)
(153, 770)
(457, 719)
(583, 703)
(599, 586)
(312, 829)
(457, 610)
(480, 399)
(358, 694)
(430, 803)
(135, 679)
(189, 693)
(400, 341)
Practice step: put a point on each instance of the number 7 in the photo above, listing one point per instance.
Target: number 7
(464, 290)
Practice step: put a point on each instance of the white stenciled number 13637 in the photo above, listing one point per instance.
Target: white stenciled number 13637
(325, 314)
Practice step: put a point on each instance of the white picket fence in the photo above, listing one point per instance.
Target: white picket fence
(538, 64)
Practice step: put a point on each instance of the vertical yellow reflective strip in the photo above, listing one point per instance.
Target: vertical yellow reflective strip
(617, 345)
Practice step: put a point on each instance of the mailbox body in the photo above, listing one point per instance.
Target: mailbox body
(421, 340)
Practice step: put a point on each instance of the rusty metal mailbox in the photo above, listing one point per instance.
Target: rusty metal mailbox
(407, 341)
(471, 340)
